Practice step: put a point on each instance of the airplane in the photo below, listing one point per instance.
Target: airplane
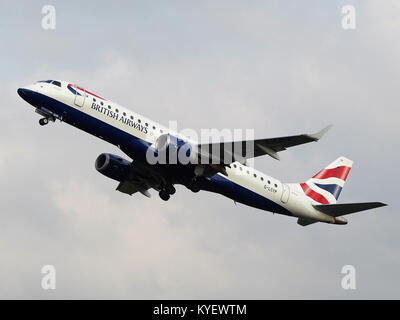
(138, 137)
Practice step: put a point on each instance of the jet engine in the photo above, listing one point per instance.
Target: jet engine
(172, 150)
(113, 166)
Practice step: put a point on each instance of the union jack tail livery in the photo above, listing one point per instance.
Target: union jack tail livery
(325, 187)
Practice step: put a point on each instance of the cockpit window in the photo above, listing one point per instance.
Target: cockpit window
(56, 83)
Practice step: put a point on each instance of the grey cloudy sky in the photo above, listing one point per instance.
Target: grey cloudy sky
(278, 67)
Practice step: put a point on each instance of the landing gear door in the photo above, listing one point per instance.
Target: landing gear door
(285, 193)
(80, 96)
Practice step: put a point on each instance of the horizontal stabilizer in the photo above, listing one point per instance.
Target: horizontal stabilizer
(337, 210)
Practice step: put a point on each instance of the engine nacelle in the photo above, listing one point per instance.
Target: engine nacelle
(113, 166)
(172, 150)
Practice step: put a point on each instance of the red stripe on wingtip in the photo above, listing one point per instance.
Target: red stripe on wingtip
(339, 172)
(313, 195)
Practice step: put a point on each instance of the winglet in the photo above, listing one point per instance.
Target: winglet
(319, 135)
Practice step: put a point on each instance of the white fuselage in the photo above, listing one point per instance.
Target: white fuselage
(109, 114)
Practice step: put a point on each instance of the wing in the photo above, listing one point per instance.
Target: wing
(130, 188)
(242, 150)
(141, 179)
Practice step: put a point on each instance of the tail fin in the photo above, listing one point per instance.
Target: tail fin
(326, 185)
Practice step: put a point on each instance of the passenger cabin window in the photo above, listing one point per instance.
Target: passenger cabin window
(124, 114)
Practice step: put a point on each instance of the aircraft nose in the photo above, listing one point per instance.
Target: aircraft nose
(29, 96)
(22, 92)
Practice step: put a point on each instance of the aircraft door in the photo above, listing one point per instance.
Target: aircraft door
(80, 98)
(285, 193)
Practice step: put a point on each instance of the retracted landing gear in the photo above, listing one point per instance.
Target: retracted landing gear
(43, 121)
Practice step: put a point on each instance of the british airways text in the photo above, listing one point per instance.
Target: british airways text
(116, 116)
